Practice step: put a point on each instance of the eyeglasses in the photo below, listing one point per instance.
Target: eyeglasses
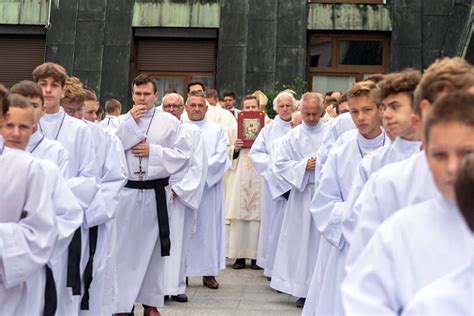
(72, 111)
(172, 106)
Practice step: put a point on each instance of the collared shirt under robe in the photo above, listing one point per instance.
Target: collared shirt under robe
(298, 244)
(206, 255)
(411, 249)
(140, 267)
(272, 214)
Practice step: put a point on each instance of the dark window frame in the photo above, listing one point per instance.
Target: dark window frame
(347, 70)
(349, 1)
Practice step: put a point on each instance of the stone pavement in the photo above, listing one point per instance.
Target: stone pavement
(241, 292)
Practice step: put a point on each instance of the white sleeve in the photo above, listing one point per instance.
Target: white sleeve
(290, 169)
(218, 163)
(190, 188)
(370, 286)
(328, 203)
(27, 245)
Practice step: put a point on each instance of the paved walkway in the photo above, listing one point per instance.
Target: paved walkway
(241, 292)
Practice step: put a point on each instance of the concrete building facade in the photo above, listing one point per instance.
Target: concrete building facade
(239, 45)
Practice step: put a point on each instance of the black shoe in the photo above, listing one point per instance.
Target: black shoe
(182, 298)
(254, 265)
(239, 264)
(300, 302)
(167, 297)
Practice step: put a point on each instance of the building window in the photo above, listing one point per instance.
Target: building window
(349, 1)
(174, 63)
(19, 56)
(335, 61)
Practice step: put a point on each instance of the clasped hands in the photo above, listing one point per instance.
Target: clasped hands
(311, 164)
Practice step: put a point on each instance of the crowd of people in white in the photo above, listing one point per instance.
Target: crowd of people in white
(355, 203)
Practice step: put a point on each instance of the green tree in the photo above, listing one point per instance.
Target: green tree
(298, 85)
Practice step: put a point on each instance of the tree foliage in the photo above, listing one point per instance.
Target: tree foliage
(298, 85)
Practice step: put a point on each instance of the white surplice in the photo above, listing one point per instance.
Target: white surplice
(452, 294)
(341, 124)
(327, 207)
(399, 150)
(188, 184)
(69, 214)
(69, 217)
(206, 255)
(389, 189)
(111, 177)
(110, 123)
(76, 138)
(140, 267)
(45, 148)
(27, 233)
(411, 249)
(272, 214)
(298, 244)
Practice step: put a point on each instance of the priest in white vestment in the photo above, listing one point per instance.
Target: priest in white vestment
(187, 186)
(154, 151)
(422, 242)
(244, 201)
(261, 154)
(206, 255)
(331, 195)
(409, 181)
(295, 161)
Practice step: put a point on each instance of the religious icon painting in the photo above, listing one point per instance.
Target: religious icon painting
(249, 126)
